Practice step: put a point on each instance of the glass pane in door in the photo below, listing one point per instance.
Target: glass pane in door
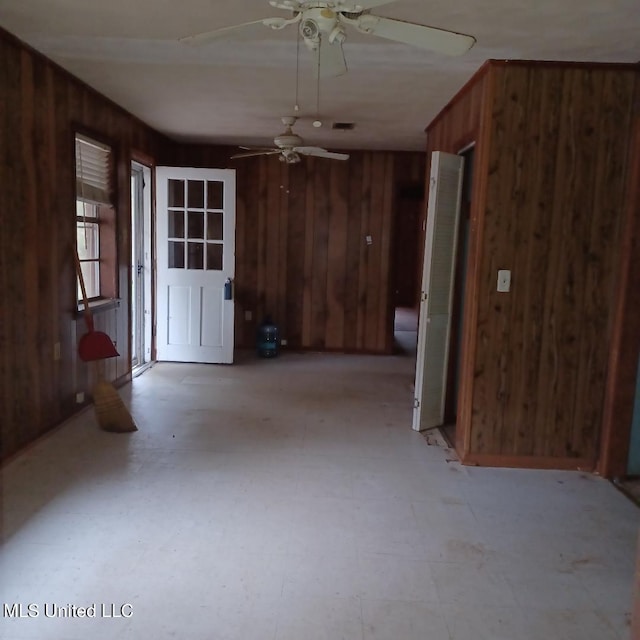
(176, 255)
(214, 226)
(175, 191)
(215, 195)
(195, 194)
(195, 224)
(214, 256)
(176, 224)
(195, 256)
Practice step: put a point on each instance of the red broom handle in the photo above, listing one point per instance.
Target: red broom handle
(88, 318)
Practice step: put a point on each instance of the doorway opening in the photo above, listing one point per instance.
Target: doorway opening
(457, 311)
(406, 283)
(140, 267)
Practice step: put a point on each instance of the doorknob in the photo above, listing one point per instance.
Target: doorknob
(228, 289)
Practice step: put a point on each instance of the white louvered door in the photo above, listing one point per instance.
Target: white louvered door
(438, 272)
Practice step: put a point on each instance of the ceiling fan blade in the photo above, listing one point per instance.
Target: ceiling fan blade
(418, 35)
(356, 6)
(318, 152)
(287, 5)
(331, 62)
(262, 152)
(210, 36)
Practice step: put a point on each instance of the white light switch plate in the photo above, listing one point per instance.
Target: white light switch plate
(504, 280)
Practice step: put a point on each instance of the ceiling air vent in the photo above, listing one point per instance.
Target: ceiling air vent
(343, 126)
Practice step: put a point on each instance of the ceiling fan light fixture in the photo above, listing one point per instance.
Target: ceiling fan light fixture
(337, 35)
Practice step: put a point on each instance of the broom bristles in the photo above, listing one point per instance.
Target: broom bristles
(111, 412)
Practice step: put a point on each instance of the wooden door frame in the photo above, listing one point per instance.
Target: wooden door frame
(457, 327)
(625, 338)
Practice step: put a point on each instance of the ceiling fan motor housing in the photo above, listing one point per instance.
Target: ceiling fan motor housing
(288, 140)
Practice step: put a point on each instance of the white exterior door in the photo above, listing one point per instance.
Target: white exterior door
(438, 272)
(196, 210)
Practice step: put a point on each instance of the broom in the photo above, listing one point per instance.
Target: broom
(111, 413)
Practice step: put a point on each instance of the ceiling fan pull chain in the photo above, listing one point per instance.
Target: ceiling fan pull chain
(296, 106)
(317, 122)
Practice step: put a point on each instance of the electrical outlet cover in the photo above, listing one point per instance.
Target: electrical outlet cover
(504, 280)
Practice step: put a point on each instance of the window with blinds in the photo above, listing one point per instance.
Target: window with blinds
(95, 218)
(93, 171)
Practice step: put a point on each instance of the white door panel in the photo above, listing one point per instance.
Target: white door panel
(179, 306)
(196, 256)
(445, 188)
(212, 329)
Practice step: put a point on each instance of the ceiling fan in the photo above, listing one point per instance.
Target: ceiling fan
(290, 147)
(322, 25)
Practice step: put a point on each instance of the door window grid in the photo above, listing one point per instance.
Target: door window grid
(195, 224)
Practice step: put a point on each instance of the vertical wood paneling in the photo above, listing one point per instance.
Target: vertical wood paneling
(42, 106)
(29, 250)
(262, 209)
(240, 293)
(352, 265)
(374, 251)
(320, 170)
(332, 290)
(337, 256)
(385, 301)
(554, 183)
(364, 251)
(271, 237)
(549, 189)
(611, 169)
(295, 276)
(533, 237)
(13, 307)
(305, 246)
(307, 299)
(492, 388)
(281, 310)
(622, 365)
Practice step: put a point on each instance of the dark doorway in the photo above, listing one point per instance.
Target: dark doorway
(408, 205)
(457, 312)
(406, 272)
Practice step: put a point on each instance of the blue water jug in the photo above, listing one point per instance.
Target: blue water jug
(267, 339)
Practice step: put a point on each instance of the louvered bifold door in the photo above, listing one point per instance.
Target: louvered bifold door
(438, 272)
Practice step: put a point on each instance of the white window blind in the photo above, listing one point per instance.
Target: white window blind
(93, 171)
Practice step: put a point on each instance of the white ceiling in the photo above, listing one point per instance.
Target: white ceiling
(235, 91)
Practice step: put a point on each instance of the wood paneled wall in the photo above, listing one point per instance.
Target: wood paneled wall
(41, 108)
(301, 250)
(549, 193)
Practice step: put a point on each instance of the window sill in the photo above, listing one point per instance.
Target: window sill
(98, 306)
